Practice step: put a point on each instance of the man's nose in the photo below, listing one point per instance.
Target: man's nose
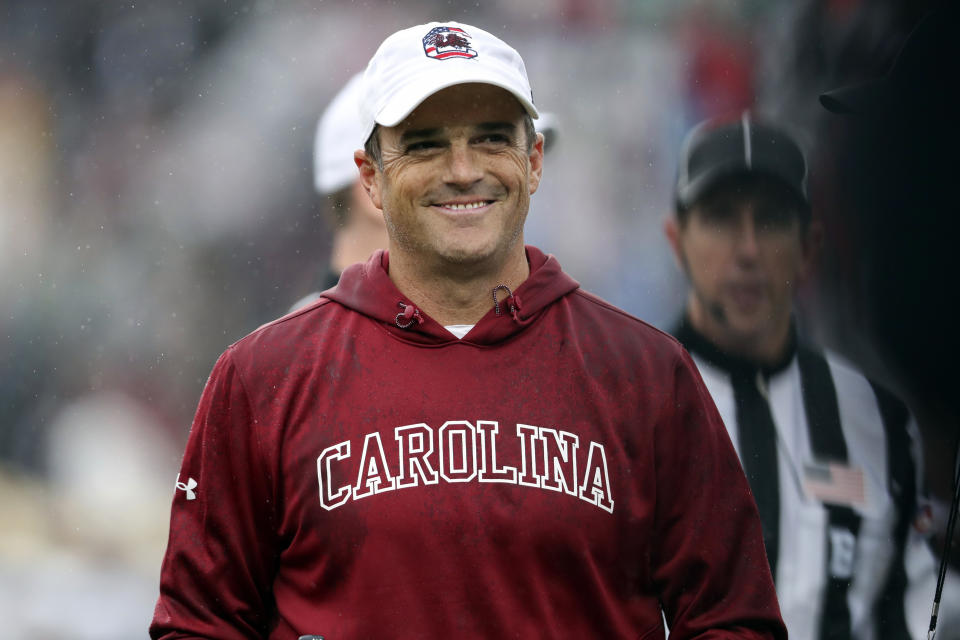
(747, 245)
(463, 168)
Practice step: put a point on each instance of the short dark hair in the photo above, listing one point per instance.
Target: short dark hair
(372, 146)
(530, 131)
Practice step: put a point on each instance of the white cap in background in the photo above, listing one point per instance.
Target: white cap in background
(339, 134)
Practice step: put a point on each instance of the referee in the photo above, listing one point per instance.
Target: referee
(833, 460)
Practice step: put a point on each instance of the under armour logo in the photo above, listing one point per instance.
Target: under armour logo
(188, 487)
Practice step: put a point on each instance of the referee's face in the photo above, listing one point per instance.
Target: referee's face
(744, 250)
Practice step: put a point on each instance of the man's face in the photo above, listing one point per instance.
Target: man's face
(744, 251)
(457, 176)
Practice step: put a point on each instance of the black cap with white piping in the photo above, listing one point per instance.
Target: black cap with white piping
(717, 149)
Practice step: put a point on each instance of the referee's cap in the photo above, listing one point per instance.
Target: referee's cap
(718, 149)
(414, 63)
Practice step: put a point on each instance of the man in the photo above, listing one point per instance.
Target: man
(831, 459)
(357, 226)
(456, 441)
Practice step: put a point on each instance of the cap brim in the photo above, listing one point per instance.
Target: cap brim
(857, 99)
(693, 191)
(413, 94)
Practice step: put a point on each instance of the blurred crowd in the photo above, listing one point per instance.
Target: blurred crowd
(157, 204)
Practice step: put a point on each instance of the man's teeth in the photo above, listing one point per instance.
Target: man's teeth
(467, 205)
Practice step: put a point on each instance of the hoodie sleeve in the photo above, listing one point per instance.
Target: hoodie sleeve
(216, 575)
(710, 567)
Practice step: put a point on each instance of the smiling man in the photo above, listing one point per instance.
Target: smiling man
(357, 227)
(454, 180)
(457, 441)
(833, 461)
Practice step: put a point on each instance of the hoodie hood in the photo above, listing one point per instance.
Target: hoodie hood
(367, 288)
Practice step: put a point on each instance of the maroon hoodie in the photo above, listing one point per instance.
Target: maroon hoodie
(559, 472)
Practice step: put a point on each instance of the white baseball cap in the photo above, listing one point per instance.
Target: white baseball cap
(339, 134)
(413, 64)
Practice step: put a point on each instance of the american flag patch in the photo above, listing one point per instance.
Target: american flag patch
(835, 483)
(442, 43)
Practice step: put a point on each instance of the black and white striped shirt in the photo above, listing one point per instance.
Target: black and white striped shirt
(840, 501)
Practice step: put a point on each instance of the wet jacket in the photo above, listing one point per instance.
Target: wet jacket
(356, 471)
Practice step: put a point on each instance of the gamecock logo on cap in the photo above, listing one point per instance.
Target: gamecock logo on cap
(447, 42)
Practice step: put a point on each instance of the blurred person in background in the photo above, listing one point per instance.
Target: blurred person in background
(356, 225)
(346, 474)
(833, 460)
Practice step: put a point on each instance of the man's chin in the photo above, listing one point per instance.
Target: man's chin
(473, 254)
(746, 329)
(466, 255)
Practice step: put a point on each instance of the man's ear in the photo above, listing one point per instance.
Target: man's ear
(671, 229)
(369, 177)
(536, 163)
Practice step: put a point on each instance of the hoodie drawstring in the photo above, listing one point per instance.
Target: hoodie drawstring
(409, 315)
(512, 301)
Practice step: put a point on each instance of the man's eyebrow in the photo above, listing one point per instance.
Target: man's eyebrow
(419, 134)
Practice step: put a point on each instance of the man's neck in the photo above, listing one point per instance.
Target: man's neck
(455, 294)
(766, 348)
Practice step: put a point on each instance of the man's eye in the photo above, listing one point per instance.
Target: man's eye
(423, 145)
(493, 138)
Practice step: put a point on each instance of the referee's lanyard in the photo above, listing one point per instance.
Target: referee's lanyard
(829, 445)
(757, 435)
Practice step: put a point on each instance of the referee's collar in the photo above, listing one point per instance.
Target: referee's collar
(698, 344)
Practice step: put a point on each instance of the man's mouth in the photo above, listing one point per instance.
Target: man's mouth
(747, 295)
(464, 206)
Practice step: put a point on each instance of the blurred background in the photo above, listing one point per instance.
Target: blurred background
(156, 205)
